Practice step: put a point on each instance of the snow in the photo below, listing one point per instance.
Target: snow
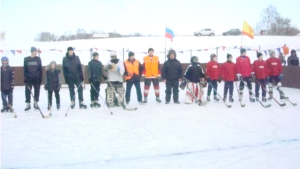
(141, 44)
(155, 136)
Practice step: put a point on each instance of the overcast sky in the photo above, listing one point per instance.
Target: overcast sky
(23, 19)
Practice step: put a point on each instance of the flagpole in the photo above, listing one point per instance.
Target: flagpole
(165, 43)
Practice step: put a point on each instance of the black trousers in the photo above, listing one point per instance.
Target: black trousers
(228, 86)
(71, 84)
(214, 85)
(95, 90)
(7, 94)
(248, 81)
(257, 86)
(36, 86)
(172, 84)
(57, 97)
(137, 85)
(274, 78)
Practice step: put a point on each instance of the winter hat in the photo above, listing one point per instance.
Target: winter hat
(70, 48)
(130, 54)
(193, 58)
(4, 58)
(33, 49)
(212, 56)
(293, 51)
(229, 55)
(171, 52)
(150, 49)
(53, 62)
(271, 52)
(95, 54)
(259, 54)
(242, 50)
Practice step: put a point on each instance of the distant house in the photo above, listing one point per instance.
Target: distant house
(2, 36)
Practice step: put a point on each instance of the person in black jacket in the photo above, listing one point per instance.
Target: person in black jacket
(293, 60)
(133, 73)
(95, 74)
(33, 75)
(172, 73)
(7, 84)
(195, 78)
(53, 84)
(73, 74)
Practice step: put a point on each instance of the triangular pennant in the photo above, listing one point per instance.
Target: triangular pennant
(39, 51)
(19, 51)
(52, 50)
(108, 50)
(199, 50)
(205, 49)
(91, 49)
(223, 47)
(266, 52)
(278, 49)
(96, 49)
(127, 50)
(235, 47)
(13, 51)
(74, 48)
(58, 50)
(1, 51)
(248, 49)
(180, 51)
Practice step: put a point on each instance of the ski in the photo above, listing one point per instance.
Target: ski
(280, 104)
(286, 98)
(228, 106)
(242, 105)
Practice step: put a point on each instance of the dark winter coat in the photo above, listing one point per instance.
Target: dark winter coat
(194, 72)
(172, 70)
(33, 69)
(72, 69)
(53, 80)
(7, 78)
(293, 60)
(95, 71)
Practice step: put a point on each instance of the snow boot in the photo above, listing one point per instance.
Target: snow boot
(82, 106)
(216, 98)
(264, 99)
(231, 99)
(270, 97)
(72, 104)
(251, 97)
(28, 107)
(97, 104)
(4, 109)
(158, 99)
(282, 96)
(92, 104)
(176, 102)
(208, 98)
(58, 106)
(167, 102)
(224, 98)
(49, 107)
(145, 100)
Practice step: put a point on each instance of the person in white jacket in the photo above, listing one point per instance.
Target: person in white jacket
(115, 70)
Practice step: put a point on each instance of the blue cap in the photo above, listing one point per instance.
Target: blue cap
(4, 58)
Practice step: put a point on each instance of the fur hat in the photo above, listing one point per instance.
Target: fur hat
(171, 52)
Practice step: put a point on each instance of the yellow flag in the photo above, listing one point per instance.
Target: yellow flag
(247, 30)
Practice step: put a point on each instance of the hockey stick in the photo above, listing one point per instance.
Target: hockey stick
(50, 108)
(240, 100)
(198, 100)
(72, 101)
(35, 102)
(119, 99)
(270, 94)
(265, 106)
(9, 106)
(229, 106)
(286, 98)
(102, 99)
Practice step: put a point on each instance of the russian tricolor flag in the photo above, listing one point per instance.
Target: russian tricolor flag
(169, 34)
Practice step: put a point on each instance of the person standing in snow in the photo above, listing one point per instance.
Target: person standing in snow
(73, 74)
(133, 73)
(282, 59)
(195, 78)
(7, 84)
(172, 74)
(275, 73)
(293, 60)
(213, 73)
(244, 73)
(95, 74)
(115, 71)
(33, 75)
(261, 72)
(151, 72)
(228, 75)
(53, 84)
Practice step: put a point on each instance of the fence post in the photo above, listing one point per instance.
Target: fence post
(91, 53)
(191, 53)
(123, 54)
(165, 53)
(259, 48)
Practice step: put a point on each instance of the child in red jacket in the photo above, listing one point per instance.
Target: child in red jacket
(213, 75)
(228, 75)
(275, 73)
(261, 71)
(244, 69)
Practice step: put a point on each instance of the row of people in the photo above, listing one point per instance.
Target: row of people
(172, 73)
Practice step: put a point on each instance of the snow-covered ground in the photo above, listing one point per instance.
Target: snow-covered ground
(182, 44)
(155, 136)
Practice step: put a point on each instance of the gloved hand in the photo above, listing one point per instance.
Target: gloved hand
(105, 78)
(90, 80)
(46, 87)
(207, 79)
(109, 67)
(203, 82)
(220, 79)
(252, 75)
(239, 76)
(280, 76)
